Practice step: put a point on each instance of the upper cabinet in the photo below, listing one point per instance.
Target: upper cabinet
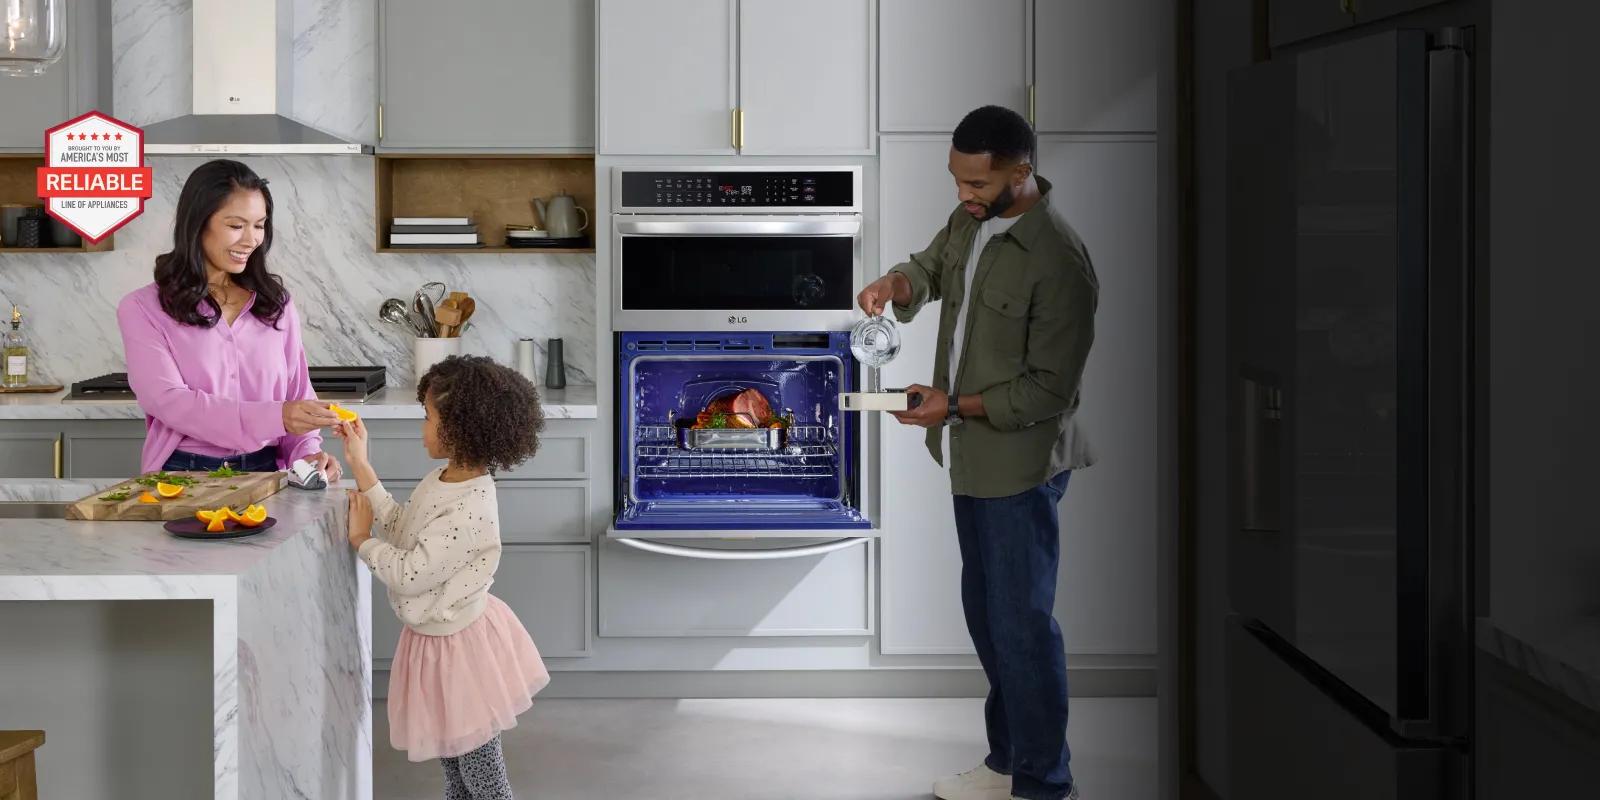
(939, 59)
(667, 78)
(806, 76)
(1069, 66)
(1095, 65)
(1290, 21)
(514, 75)
(723, 77)
(68, 88)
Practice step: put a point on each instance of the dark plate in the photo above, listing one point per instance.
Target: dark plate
(192, 528)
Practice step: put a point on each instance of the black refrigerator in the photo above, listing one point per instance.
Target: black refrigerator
(1350, 253)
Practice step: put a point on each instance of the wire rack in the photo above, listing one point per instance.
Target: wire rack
(810, 453)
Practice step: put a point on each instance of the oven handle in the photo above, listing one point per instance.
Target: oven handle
(741, 227)
(743, 555)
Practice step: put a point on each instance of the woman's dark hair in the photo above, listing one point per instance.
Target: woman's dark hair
(489, 415)
(998, 131)
(181, 273)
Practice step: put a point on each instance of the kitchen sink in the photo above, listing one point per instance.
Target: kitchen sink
(32, 509)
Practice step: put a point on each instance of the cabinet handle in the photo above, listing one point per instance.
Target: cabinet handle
(58, 457)
(380, 122)
(1031, 117)
(738, 129)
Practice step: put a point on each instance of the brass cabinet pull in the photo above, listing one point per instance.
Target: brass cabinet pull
(58, 457)
(1032, 117)
(380, 122)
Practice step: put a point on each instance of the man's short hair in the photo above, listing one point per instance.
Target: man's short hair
(997, 131)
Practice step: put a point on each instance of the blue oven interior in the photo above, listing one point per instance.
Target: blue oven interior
(665, 379)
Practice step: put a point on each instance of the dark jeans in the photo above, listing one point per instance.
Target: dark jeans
(1010, 549)
(263, 460)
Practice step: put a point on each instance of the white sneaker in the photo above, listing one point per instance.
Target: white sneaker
(979, 783)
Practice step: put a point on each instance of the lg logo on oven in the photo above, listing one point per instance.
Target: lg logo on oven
(735, 319)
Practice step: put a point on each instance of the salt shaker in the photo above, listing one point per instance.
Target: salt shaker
(524, 358)
(555, 368)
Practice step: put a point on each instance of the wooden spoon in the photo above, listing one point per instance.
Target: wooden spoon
(448, 315)
(467, 306)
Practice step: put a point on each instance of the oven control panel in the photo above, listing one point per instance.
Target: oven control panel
(822, 190)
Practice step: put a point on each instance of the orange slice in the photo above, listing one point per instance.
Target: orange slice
(229, 513)
(343, 413)
(253, 516)
(217, 524)
(148, 498)
(168, 490)
(204, 514)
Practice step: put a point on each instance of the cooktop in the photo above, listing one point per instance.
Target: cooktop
(345, 384)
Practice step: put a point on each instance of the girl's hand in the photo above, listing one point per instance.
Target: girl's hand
(354, 434)
(360, 518)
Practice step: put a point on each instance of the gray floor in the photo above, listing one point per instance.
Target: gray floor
(805, 749)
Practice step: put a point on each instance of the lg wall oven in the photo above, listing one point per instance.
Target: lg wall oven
(733, 292)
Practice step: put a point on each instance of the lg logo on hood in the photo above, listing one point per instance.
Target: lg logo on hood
(734, 319)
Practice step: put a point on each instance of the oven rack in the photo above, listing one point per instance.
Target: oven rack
(810, 453)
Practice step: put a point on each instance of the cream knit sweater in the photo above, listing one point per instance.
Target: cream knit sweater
(437, 553)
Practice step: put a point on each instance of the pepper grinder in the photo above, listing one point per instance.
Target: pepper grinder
(555, 367)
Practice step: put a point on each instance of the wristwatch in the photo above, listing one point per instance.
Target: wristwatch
(953, 416)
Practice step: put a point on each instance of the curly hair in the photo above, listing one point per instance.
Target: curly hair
(489, 415)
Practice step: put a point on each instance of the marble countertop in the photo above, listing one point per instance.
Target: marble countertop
(394, 402)
(1562, 653)
(60, 553)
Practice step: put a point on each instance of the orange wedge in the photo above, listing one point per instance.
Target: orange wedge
(253, 516)
(204, 514)
(228, 513)
(217, 524)
(343, 413)
(168, 490)
(148, 498)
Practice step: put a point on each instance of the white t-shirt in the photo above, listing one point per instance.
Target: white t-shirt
(986, 231)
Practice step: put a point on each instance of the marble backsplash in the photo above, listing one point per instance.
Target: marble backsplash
(323, 251)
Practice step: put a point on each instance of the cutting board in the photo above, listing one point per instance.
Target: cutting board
(207, 492)
(37, 388)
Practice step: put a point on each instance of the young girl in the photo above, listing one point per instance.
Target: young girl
(465, 667)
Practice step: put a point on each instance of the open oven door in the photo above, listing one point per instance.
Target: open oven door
(752, 494)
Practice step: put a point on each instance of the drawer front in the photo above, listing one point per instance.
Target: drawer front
(29, 455)
(397, 453)
(544, 512)
(548, 587)
(109, 455)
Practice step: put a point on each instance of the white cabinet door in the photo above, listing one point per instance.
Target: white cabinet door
(939, 59)
(667, 82)
(1106, 598)
(1096, 64)
(806, 76)
(921, 570)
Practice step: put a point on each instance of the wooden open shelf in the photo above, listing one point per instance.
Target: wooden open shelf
(493, 190)
(19, 185)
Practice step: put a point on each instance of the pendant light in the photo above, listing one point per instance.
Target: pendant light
(33, 34)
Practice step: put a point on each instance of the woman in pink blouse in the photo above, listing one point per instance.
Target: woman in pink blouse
(213, 346)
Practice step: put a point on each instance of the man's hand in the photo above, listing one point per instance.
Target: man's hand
(360, 518)
(305, 416)
(930, 412)
(893, 287)
(328, 464)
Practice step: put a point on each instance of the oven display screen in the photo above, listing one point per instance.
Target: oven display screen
(820, 189)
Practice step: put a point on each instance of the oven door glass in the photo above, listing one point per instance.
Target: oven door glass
(706, 266)
(674, 476)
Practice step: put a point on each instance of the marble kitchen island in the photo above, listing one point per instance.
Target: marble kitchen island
(282, 619)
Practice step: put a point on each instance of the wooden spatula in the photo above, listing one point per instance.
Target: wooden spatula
(448, 315)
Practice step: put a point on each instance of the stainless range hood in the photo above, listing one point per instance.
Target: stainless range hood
(243, 75)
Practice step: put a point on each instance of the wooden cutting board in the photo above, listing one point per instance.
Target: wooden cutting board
(207, 492)
(37, 388)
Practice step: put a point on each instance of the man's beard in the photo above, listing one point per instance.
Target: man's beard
(999, 205)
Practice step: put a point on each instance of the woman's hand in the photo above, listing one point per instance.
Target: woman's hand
(354, 434)
(305, 416)
(328, 464)
(360, 518)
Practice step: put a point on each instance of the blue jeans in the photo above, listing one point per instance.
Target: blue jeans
(1010, 549)
(263, 460)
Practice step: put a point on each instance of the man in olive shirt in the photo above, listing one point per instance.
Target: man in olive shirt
(1017, 296)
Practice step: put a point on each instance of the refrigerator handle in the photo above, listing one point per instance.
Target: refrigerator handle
(1449, 280)
(1261, 426)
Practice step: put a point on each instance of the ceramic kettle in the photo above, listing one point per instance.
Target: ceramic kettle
(560, 215)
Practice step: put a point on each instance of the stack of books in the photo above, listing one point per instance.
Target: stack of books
(433, 232)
